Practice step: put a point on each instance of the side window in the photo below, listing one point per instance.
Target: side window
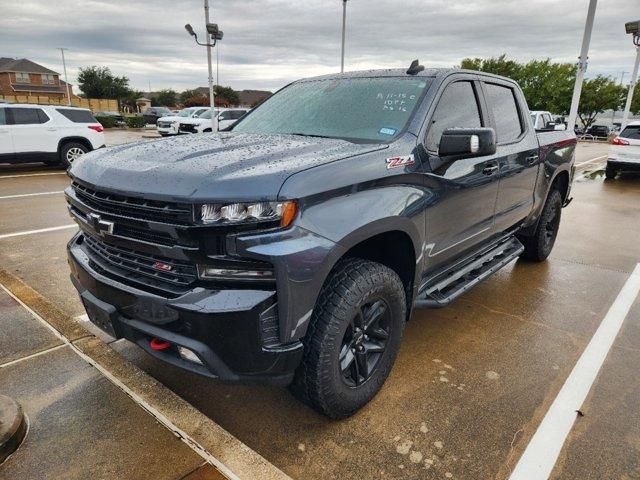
(28, 116)
(502, 102)
(457, 107)
(3, 116)
(547, 120)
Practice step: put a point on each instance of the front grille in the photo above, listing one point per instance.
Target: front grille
(132, 207)
(187, 127)
(164, 124)
(132, 264)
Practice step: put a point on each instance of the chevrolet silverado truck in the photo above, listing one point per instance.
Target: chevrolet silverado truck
(292, 249)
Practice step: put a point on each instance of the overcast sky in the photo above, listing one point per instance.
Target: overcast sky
(268, 43)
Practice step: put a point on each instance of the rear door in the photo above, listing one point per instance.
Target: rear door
(465, 190)
(517, 152)
(33, 131)
(6, 142)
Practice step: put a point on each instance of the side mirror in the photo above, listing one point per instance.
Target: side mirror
(467, 142)
(551, 125)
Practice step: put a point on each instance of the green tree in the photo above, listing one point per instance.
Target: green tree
(228, 93)
(99, 82)
(599, 94)
(165, 97)
(546, 85)
(635, 102)
(189, 94)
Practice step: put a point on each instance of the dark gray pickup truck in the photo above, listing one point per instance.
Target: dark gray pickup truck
(293, 248)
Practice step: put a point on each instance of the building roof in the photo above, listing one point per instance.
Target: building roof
(250, 97)
(22, 65)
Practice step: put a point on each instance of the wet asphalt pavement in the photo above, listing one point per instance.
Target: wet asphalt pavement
(472, 381)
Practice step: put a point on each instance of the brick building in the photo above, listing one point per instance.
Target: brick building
(24, 77)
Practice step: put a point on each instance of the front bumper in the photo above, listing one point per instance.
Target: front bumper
(226, 329)
(170, 130)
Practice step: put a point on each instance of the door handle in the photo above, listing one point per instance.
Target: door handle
(531, 159)
(490, 169)
(52, 129)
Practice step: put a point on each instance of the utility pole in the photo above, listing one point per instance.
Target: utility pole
(212, 97)
(344, 28)
(66, 81)
(582, 64)
(632, 86)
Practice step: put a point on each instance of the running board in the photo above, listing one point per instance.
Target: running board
(445, 287)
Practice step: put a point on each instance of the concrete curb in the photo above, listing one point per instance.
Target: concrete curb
(233, 458)
(13, 427)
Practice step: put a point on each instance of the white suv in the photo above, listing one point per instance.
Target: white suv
(169, 125)
(202, 124)
(53, 134)
(624, 152)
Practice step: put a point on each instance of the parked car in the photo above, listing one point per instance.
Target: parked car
(152, 114)
(119, 119)
(293, 248)
(544, 121)
(169, 125)
(202, 124)
(599, 131)
(624, 152)
(47, 133)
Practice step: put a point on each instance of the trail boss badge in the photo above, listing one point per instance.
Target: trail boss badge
(397, 162)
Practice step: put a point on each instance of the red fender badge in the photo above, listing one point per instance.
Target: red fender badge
(397, 162)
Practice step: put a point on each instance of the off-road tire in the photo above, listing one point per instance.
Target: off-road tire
(538, 246)
(319, 379)
(610, 172)
(65, 161)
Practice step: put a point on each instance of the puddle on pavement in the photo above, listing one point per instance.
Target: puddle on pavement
(592, 175)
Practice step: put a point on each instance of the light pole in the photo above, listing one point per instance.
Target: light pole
(64, 68)
(216, 34)
(582, 64)
(632, 28)
(344, 28)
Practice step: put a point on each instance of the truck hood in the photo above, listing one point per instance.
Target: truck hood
(224, 166)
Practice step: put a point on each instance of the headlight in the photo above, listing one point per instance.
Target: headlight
(249, 212)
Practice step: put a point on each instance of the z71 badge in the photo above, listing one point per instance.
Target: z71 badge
(397, 162)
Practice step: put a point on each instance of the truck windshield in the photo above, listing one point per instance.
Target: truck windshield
(356, 109)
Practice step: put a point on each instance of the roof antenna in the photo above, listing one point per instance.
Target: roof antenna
(415, 67)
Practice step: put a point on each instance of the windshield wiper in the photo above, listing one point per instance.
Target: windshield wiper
(309, 135)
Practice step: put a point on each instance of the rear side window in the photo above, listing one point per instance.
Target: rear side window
(3, 116)
(631, 131)
(457, 108)
(77, 116)
(502, 102)
(28, 116)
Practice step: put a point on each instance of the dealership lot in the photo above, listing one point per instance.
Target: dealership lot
(472, 381)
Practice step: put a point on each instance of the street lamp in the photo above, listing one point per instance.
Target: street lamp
(66, 81)
(216, 34)
(582, 64)
(344, 27)
(632, 28)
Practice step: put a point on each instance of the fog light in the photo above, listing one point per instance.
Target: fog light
(189, 355)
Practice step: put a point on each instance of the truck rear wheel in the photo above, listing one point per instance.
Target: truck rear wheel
(353, 338)
(538, 246)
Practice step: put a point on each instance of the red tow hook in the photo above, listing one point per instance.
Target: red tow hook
(159, 344)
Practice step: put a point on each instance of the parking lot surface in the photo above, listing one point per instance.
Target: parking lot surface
(472, 381)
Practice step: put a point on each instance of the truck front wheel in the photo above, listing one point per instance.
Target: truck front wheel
(353, 338)
(538, 246)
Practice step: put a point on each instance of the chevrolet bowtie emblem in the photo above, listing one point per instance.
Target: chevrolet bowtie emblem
(99, 225)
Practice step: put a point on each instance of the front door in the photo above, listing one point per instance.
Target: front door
(465, 190)
(6, 142)
(517, 152)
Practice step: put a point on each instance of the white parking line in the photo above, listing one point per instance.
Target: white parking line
(22, 195)
(541, 454)
(591, 160)
(32, 175)
(42, 230)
